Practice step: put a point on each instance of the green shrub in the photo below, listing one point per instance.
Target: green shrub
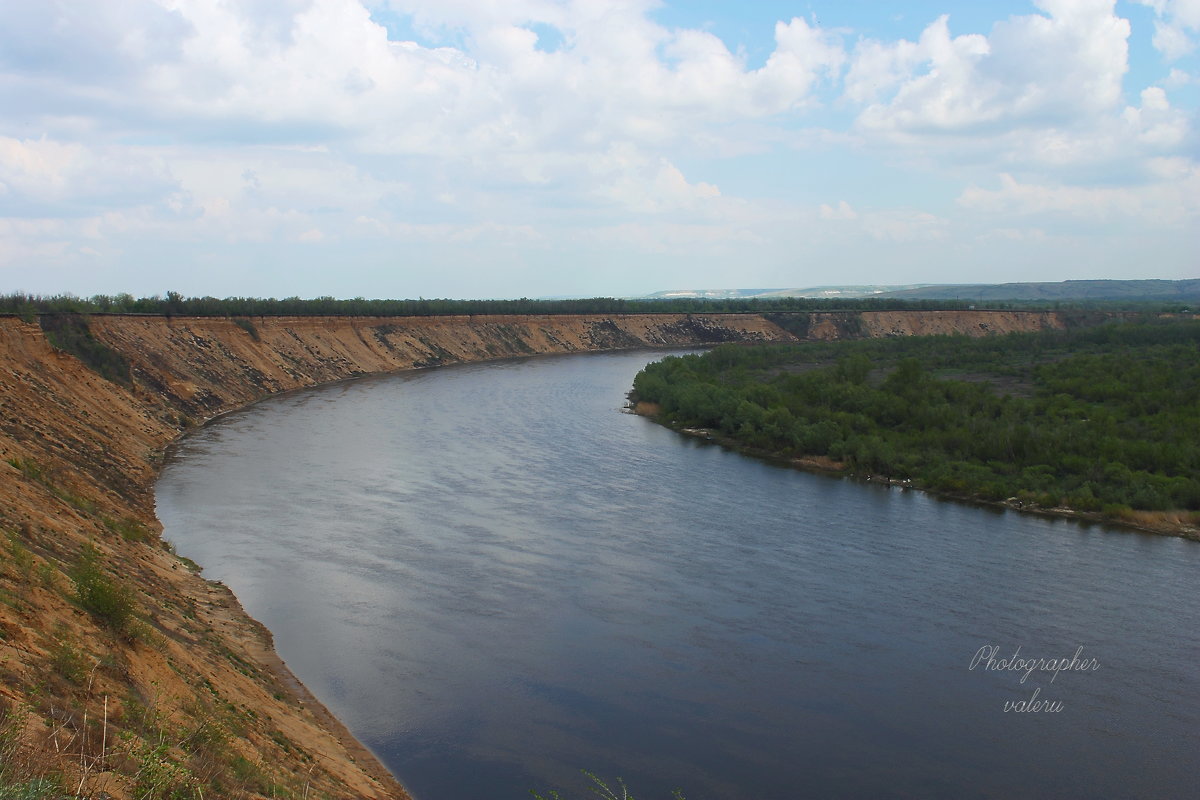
(1115, 510)
(27, 467)
(69, 663)
(21, 556)
(106, 598)
(129, 529)
(161, 777)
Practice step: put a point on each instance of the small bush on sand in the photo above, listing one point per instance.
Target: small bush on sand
(105, 597)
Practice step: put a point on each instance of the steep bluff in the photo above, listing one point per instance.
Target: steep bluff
(125, 672)
(829, 325)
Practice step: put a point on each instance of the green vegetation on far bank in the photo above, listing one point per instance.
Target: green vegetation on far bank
(175, 304)
(1098, 419)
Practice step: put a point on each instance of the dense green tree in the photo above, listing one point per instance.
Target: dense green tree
(781, 310)
(1096, 418)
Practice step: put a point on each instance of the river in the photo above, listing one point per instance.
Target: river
(497, 579)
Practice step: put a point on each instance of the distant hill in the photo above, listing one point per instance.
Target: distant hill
(812, 292)
(1185, 290)
(1101, 290)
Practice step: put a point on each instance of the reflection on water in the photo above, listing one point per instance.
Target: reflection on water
(495, 578)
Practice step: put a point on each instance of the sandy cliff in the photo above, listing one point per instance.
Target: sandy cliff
(857, 324)
(183, 693)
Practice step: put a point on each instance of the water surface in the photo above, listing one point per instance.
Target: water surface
(496, 578)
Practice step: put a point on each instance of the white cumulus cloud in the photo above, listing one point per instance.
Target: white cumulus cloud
(1030, 70)
(1176, 27)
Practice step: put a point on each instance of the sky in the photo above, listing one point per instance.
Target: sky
(542, 148)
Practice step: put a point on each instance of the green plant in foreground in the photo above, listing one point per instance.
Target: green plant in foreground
(22, 775)
(159, 776)
(602, 790)
(36, 789)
